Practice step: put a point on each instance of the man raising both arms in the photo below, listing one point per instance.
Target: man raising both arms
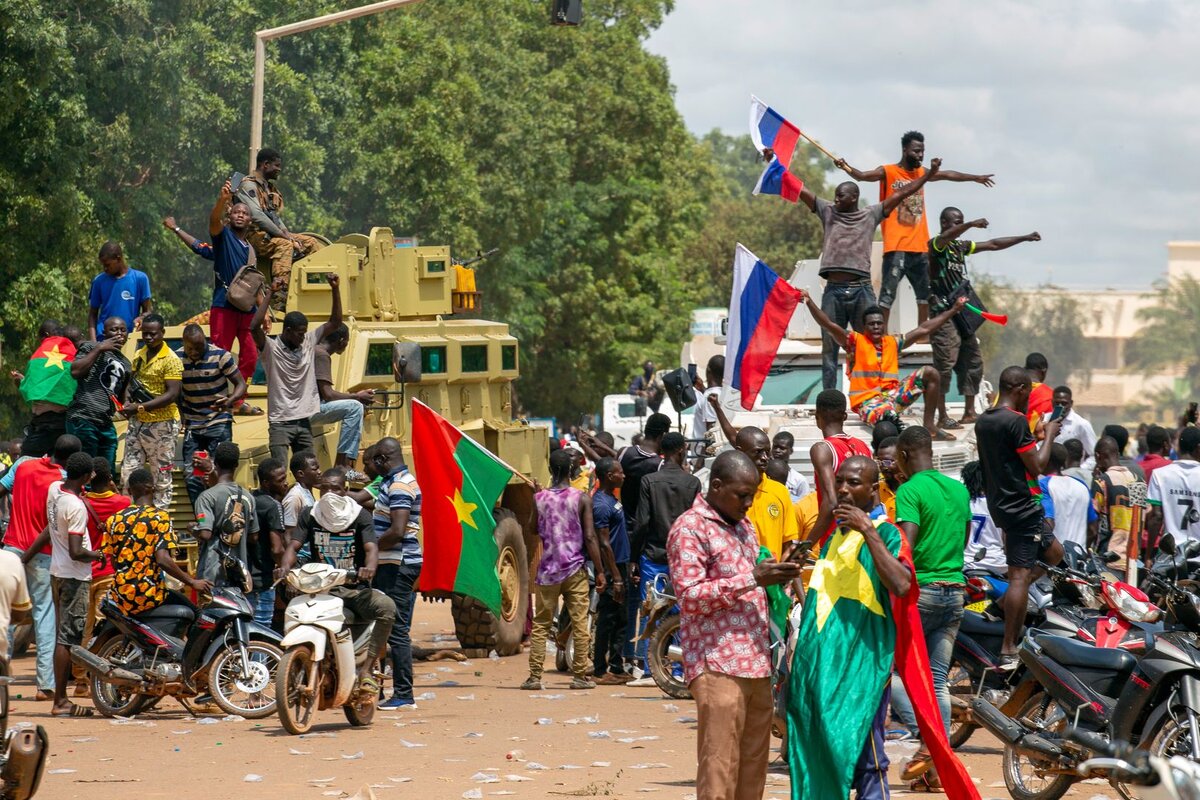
(905, 230)
(873, 364)
(846, 257)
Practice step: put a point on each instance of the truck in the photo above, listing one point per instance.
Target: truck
(401, 304)
(787, 400)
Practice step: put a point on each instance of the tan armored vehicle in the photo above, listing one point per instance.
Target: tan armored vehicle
(400, 294)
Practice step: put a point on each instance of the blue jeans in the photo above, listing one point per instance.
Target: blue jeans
(350, 413)
(648, 571)
(206, 439)
(99, 440)
(399, 582)
(37, 575)
(263, 602)
(941, 610)
(844, 303)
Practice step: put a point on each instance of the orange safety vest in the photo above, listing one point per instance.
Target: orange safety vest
(872, 372)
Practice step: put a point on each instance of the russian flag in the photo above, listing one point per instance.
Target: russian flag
(768, 128)
(759, 310)
(777, 179)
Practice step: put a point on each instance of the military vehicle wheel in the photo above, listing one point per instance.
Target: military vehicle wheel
(478, 630)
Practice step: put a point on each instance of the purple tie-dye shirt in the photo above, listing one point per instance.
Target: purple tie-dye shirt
(561, 533)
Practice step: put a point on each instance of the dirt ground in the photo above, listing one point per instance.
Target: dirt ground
(609, 742)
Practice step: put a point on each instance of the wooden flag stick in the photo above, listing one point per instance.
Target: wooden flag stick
(817, 145)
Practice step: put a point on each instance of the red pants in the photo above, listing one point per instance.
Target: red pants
(227, 324)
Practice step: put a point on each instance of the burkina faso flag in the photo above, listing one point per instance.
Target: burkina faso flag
(48, 375)
(460, 482)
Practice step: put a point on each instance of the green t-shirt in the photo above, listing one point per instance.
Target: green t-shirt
(940, 507)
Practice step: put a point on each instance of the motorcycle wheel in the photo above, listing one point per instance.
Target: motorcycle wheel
(1022, 774)
(663, 663)
(245, 690)
(360, 712)
(295, 704)
(117, 701)
(961, 690)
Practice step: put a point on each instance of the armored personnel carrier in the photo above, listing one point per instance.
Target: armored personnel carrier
(461, 366)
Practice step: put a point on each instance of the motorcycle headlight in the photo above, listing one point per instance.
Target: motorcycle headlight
(1131, 603)
(1087, 595)
(234, 600)
(314, 578)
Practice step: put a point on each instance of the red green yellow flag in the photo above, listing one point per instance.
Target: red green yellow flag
(460, 483)
(48, 376)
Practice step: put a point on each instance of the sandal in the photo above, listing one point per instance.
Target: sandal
(76, 711)
(916, 767)
(369, 685)
(950, 424)
(942, 436)
(928, 783)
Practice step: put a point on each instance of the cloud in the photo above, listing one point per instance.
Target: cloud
(1087, 112)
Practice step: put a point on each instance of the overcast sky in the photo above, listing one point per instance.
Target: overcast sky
(1087, 112)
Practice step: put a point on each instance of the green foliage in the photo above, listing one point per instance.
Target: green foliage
(1048, 323)
(474, 125)
(1170, 334)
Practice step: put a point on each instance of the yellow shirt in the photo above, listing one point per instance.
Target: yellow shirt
(807, 509)
(162, 367)
(770, 518)
(888, 497)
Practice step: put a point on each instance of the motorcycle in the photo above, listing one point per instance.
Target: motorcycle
(23, 752)
(323, 648)
(663, 651)
(1176, 778)
(181, 650)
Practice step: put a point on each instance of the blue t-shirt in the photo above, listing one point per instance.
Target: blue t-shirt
(119, 297)
(608, 513)
(229, 255)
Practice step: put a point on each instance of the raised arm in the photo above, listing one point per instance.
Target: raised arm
(874, 175)
(836, 331)
(807, 197)
(335, 310)
(900, 195)
(940, 240)
(1005, 242)
(926, 328)
(964, 177)
(260, 315)
(80, 367)
(216, 217)
(727, 428)
(1036, 460)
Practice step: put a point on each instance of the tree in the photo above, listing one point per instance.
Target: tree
(1045, 320)
(1170, 336)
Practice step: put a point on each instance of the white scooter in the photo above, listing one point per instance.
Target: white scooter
(323, 647)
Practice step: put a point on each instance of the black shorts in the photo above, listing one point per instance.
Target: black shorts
(1026, 542)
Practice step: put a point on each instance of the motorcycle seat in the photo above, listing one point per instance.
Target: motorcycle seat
(167, 611)
(979, 625)
(1070, 653)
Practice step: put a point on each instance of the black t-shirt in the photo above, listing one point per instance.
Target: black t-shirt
(342, 549)
(949, 264)
(106, 379)
(270, 518)
(636, 463)
(1002, 434)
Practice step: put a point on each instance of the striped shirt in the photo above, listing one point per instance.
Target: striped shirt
(203, 382)
(399, 490)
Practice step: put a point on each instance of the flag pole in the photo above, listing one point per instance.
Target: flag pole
(817, 145)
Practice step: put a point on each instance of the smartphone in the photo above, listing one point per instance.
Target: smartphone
(1058, 413)
(800, 552)
(692, 372)
(235, 180)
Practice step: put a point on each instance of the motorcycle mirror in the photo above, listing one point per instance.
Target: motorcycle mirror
(1110, 557)
(1167, 544)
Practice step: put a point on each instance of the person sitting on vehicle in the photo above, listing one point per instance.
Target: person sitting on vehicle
(339, 532)
(138, 542)
(873, 366)
(344, 407)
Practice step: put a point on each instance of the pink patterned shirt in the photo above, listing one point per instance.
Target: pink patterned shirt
(723, 620)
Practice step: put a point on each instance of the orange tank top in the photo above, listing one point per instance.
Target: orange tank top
(904, 230)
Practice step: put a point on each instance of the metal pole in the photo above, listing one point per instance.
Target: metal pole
(263, 36)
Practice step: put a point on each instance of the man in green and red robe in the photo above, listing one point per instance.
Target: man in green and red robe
(860, 619)
(48, 387)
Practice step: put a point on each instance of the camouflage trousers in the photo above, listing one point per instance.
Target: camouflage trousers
(280, 252)
(152, 445)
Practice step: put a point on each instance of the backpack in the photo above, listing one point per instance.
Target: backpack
(231, 521)
(242, 291)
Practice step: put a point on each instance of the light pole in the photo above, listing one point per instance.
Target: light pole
(260, 55)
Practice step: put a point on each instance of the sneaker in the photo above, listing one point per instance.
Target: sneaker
(532, 684)
(579, 683)
(612, 679)
(899, 735)
(642, 682)
(398, 702)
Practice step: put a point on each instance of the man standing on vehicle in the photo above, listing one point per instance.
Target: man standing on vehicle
(662, 497)
(828, 454)
(397, 520)
(102, 373)
(271, 238)
(905, 230)
(1011, 460)
(212, 386)
(139, 543)
(846, 257)
(1174, 493)
(339, 532)
(266, 550)
(231, 252)
(934, 512)
(225, 516)
(154, 422)
(344, 407)
(725, 629)
(117, 291)
(292, 398)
